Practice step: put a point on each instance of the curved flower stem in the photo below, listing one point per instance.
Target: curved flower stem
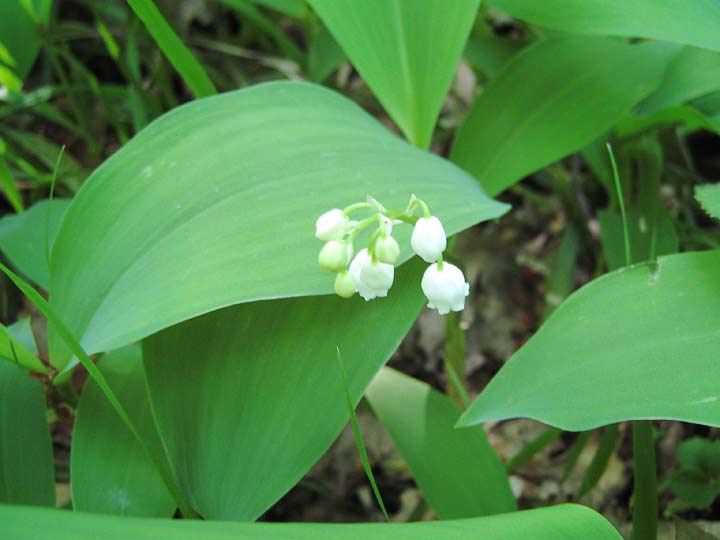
(358, 206)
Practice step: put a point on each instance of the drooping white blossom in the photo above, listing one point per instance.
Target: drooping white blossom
(372, 279)
(445, 289)
(331, 225)
(387, 250)
(428, 238)
(345, 285)
(333, 256)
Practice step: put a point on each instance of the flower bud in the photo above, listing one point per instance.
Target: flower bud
(333, 256)
(345, 285)
(387, 250)
(331, 225)
(445, 289)
(372, 279)
(428, 238)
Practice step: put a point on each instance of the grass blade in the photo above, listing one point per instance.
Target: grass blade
(359, 440)
(179, 55)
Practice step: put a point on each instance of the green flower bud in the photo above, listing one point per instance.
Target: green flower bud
(387, 250)
(345, 285)
(333, 256)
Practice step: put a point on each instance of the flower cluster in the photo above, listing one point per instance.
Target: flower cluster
(371, 271)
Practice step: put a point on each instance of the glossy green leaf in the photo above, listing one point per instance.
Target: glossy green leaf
(456, 469)
(690, 118)
(25, 238)
(214, 204)
(588, 365)
(694, 22)
(563, 522)
(528, 117)
(324, 55)
(249, 397)
(490, 54)
(709, 197)
(17, 350)
(691, 74)
(27, 470)
(406, 51)
(19, 20)
(174, 49)
(109, 471)
(641, 237)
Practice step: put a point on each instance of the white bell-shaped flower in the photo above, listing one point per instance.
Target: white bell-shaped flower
(445, 289)
(345, 285)
(331, 225)
(428, 238)
(387, 250)
(372, 279)
(333, 256)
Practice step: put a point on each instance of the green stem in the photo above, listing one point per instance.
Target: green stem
(645, 505)
(357, 206)
(455, 361)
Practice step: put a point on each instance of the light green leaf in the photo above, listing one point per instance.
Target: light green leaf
(490, 54)
(708, 196)
(641, 237)
(562, 522)
(17, 348)
(691, 74)
(19, 31)
(406, 51)
(552, 99)
(214, 204)
(457, 470)
(694, 22)
(109, 471)
(24, 241)
(27, 471)
(324, 55)
(248, 398)
(588, 365)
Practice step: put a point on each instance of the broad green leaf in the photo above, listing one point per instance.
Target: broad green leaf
(641, 237)
(324, 55)
(552, 99)
(214, 204)
(708, 195)
(686, 116)
(588, 365)
(19, 31)
(406, 51)
(248, 398)
(691, 74)
(490, 54)
(694, 22)
(176, 52)
(109, 472)
(26, 238)
(16, 348)
(27, 470)
(456, 469)
(562, 522)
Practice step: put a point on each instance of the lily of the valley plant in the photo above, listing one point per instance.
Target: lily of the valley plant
(371, 272)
